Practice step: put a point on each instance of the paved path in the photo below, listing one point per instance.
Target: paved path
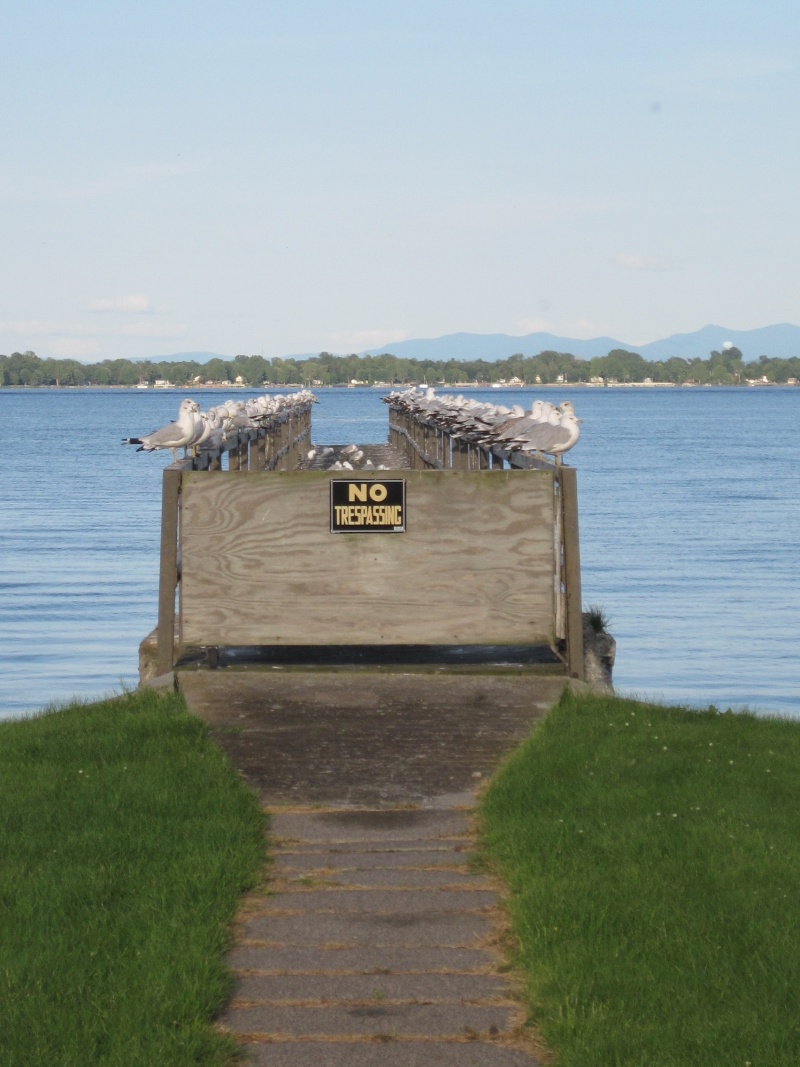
(374, 942)
(379, 946)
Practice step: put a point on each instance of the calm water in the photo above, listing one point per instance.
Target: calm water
(689, 508)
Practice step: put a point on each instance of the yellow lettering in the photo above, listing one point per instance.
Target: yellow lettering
(356, 492)
(368, 514)
(377, 492)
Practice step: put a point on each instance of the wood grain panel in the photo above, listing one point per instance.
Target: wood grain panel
(260, 566)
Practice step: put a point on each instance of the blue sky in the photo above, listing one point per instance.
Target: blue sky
(292, 177)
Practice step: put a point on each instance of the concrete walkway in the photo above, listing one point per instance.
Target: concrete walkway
(374, 942)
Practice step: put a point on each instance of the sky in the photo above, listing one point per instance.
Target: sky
(308, 175)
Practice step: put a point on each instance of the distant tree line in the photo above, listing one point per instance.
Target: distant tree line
(726, 367)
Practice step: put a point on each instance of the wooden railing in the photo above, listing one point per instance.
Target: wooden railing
(429, 446)
(274, 446)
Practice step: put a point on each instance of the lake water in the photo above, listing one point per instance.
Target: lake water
(689, 506)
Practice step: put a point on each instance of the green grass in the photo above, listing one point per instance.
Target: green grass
(652, 856)
(126, 841)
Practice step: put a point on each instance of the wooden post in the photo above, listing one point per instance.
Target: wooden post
(168, 573)
(291, 434)
(233, 455)
(572, 570)
(282, 442)
(460, 454)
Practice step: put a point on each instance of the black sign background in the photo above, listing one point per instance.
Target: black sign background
(368, 506)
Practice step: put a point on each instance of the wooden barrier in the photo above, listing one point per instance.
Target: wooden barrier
(474, 565)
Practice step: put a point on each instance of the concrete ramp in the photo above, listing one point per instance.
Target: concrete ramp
(361, 737)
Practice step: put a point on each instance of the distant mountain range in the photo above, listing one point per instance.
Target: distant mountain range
(778, 342)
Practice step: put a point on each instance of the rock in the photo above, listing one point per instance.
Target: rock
(599, 653)
(148, 664)
(148, 651)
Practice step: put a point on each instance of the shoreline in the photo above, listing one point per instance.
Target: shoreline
(378, 386)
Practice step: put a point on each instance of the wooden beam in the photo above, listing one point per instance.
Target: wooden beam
(572, 571)
(168, 574)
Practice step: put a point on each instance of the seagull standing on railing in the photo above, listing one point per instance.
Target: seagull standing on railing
(183, 433)
(555, 436)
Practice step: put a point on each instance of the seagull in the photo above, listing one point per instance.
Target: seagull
(555, 436)
(183, 433)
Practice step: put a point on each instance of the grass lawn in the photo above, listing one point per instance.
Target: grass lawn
(126, 841)
(653, 857)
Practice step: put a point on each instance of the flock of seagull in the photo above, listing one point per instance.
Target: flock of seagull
(349, 458)
(545, 429)
(195, 429)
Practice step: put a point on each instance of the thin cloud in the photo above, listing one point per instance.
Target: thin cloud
(585, 328)
(721, 77)
(76, 348)
(511, 212)
(534, 326)
(136, 303)
(636, 261)
(83, 332)
(151, 329)
(21, 327)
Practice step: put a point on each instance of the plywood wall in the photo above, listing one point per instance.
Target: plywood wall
(260, 566)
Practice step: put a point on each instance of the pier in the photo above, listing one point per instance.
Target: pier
(367, 646)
